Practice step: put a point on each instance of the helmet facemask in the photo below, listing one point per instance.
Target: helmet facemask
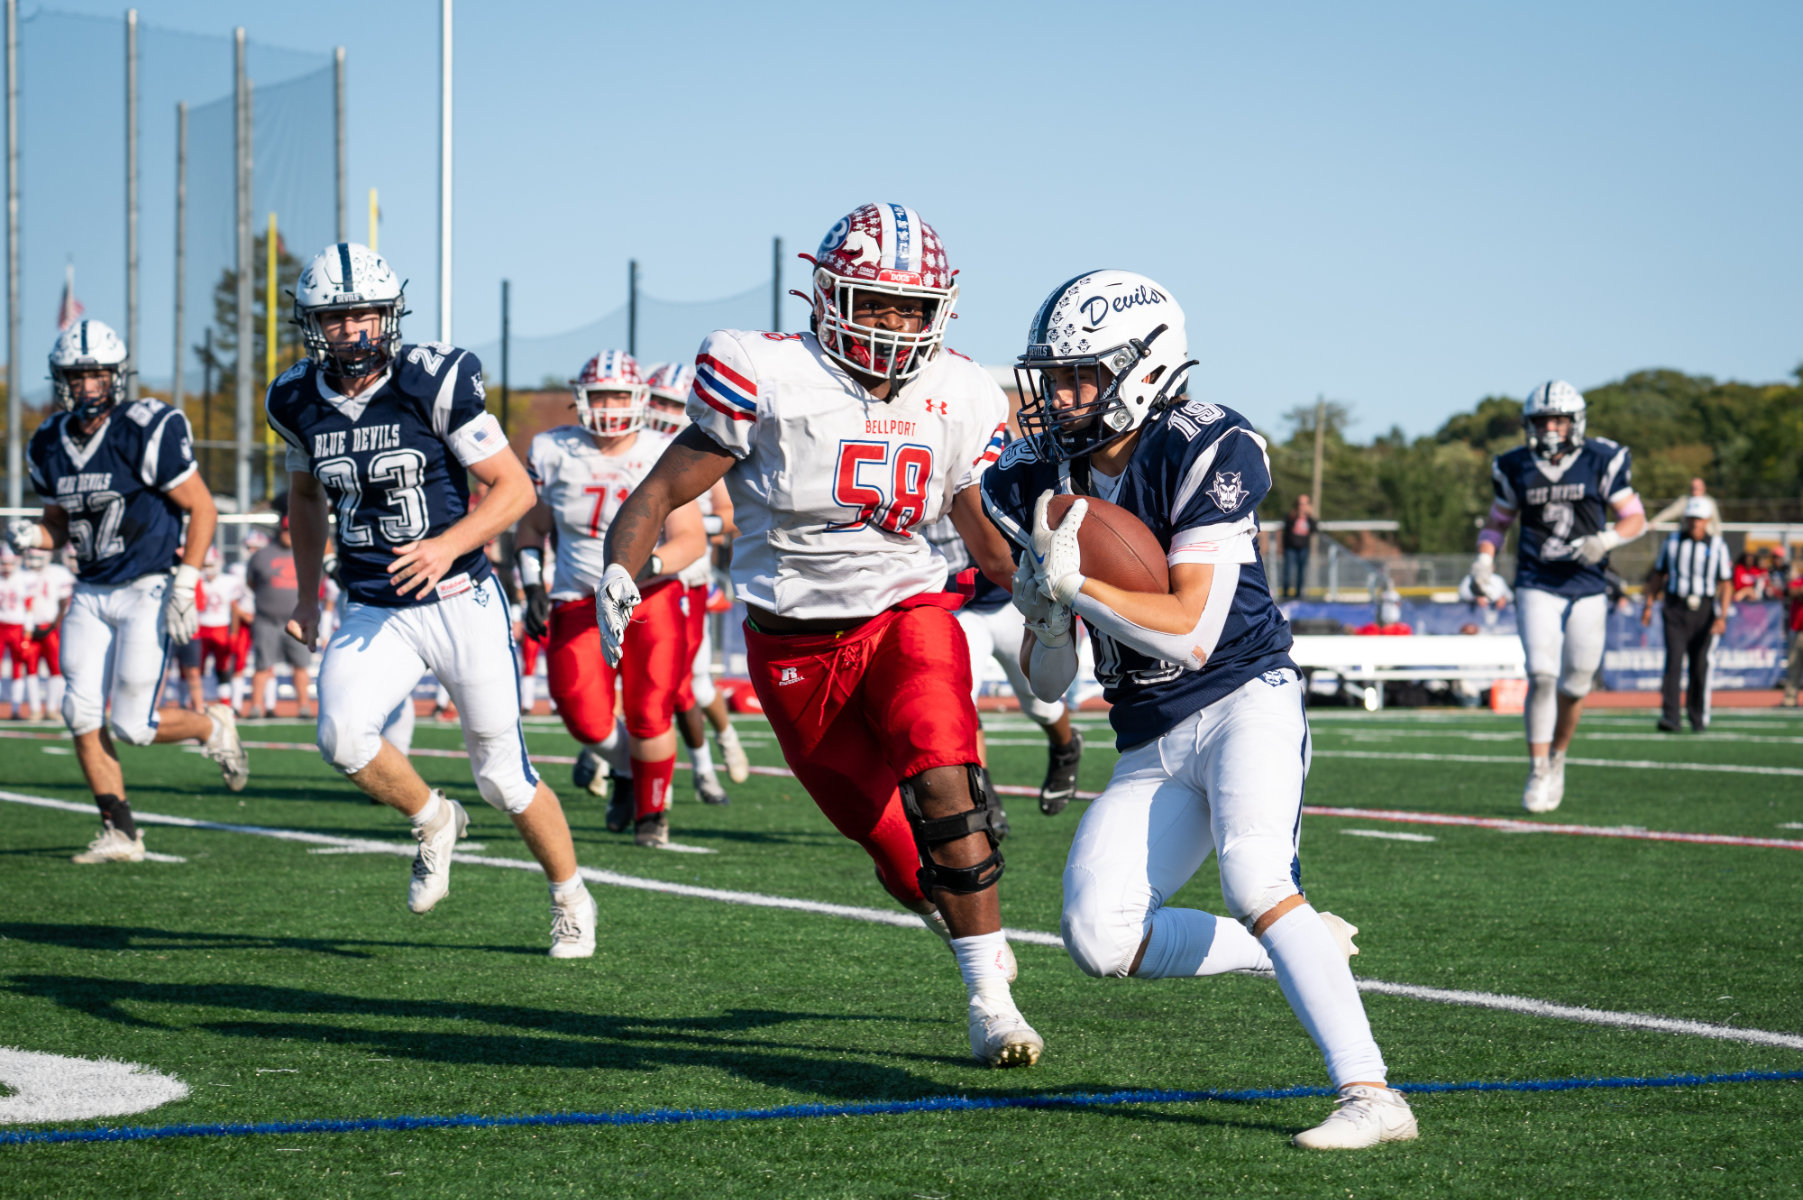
(1084, 427)
(610, 420)
(1553, 446)
(87, 408)
(665, 415)
(363, 357)
(886, 354)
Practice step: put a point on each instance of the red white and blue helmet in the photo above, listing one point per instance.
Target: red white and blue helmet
(610, 371)
(669, 384)
(882, 248)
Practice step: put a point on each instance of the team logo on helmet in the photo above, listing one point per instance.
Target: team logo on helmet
(885, 249)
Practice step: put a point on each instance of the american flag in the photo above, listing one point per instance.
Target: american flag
(70, 310)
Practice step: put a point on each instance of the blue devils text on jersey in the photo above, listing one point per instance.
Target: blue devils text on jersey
(1559, 505)
(1196, 466)
(393, 461)
(115, 485)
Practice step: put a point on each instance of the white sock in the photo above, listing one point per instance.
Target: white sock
(33, 697)
(1318, 984)
(568, 890)
(56, 693)
(616, 748)
(1186, 942)
(727, 737)
(270, 693)
(1538, 764)
(980, 962)
(435, 808)
(702, 759)
(528, 693)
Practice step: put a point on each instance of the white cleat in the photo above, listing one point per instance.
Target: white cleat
(112, 846)
(1343, 932)
(225, 749)
(1538, 796)
(999, 1035)
(1555, 767)
(1004, 959)
(738, 767)
(432, 862)
(1364, 1117)
(573, 926)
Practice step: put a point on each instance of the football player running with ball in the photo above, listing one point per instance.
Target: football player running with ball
(117, 480)
(1207, 705)
(583, 474)
(838, 446)
(1564, 487)
(388, 435)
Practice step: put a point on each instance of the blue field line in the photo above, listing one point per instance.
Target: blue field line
(931, 1104)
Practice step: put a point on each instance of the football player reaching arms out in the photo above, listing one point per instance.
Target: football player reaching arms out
(1564, 487)
(388, 435)
(837, 446)
(1207, 705)
(117, 480)
(583, 474)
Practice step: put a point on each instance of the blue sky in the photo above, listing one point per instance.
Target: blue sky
(1402, 206)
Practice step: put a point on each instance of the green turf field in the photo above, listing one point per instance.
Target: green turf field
(281, 984)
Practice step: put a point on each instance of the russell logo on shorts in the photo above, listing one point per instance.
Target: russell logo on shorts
(789, 675)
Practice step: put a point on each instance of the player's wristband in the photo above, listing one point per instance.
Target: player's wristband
(531, 564)
(1609, 538)
(654, 566)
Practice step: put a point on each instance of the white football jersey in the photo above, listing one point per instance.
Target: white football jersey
(217, 595)
(16, 591)
(584, 488)
(833, 487)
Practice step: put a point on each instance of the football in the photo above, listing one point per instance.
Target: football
(1117, 547)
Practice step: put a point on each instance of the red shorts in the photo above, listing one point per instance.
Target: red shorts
(21, 649)
(858, 712)
(530, 649)
(695, 616)
(219, 646)
(582, 684)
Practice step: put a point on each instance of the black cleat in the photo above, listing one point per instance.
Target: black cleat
(1060, 786)
(653, 832)
(586, 774)
(621, 806)
(710, 791)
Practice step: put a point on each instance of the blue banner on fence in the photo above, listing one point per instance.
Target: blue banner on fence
(1750, 654)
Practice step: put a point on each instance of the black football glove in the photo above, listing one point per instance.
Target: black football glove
(538, 611)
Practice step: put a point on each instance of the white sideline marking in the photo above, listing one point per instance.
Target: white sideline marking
(1388, 835)
(1515, 760)
(878, 916)
(1501, 824)
(59, 750)
(54, 1087)
(153, 856)
(1478, 735)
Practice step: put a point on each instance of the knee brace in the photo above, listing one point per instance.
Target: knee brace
(1258, 874)
(932, 832)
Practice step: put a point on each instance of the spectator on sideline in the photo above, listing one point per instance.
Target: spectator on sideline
(1748, 579)
(1693, 576)
(1793, 676)
(1388, 622)
(1298, 534)
(1675, 510)
(274, 587)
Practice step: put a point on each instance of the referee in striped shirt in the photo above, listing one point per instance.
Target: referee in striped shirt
(1695, 578)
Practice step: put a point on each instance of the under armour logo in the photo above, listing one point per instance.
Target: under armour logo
(941, 410)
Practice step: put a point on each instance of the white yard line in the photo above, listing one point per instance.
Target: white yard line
(1515, 760)
(1515, 736)
(1389, 835)
(1524, 1005)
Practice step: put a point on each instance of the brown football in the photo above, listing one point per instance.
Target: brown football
(1117, 547)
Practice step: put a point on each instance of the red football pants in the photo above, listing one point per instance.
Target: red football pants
(51, 640)
(653, 662)
(858, 712)
(216, 646)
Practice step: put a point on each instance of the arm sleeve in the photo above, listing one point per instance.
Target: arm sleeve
(169, 453)
(1188, 650)
(724, 401)
(460, 413)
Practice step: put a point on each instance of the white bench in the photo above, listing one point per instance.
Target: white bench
(1372, 661)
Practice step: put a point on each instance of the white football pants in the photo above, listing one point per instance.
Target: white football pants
(701, 671)
(1227, 779)
(113, 649)
(1563, 637)
(377, 656)
(998, 633)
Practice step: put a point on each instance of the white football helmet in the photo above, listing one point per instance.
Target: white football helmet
(211, 564)
(9, 561)
(36, 560)
(348, 276)
(1554, 398)
(1127, 335)
(82, 347)
(886, 249)
(669, 385)
(610, 371)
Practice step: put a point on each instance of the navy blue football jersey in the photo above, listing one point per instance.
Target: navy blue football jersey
(1196, 466)
(1559, 505)
(393, 461)
(114, 487)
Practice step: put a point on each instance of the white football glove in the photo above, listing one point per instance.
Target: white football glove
(615, 599)
(1595, 548)
(23, 533)
(1483, 570)
(1049, 620)
(181, 620)
(1058, 558)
